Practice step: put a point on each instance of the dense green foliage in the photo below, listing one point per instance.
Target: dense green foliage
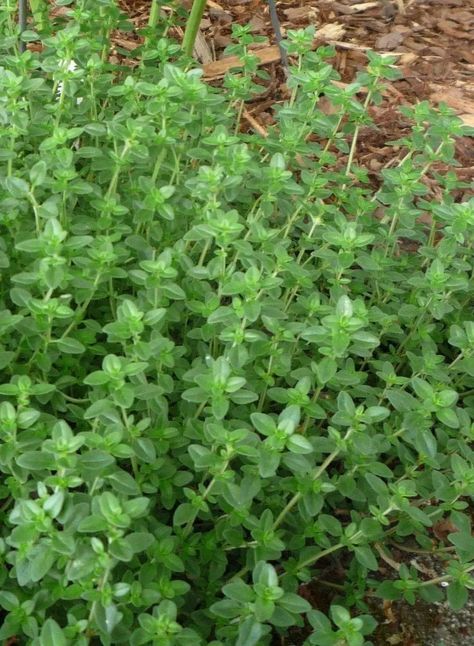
(219, 368)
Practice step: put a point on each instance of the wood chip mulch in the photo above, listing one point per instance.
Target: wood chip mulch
(433, 41)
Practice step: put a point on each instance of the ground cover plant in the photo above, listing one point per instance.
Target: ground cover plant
(220, 366)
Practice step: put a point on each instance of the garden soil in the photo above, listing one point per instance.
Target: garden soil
(433, 41)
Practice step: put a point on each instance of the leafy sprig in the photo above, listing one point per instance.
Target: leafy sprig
(210, 345)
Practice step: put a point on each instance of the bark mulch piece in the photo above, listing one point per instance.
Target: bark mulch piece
(433, 41)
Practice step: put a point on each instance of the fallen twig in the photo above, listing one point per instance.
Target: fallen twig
(254, 123)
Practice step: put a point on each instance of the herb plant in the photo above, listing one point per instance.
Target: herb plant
(220, 371)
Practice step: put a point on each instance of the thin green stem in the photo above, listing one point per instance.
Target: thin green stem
(35, 206)
(307, 420)
(265, 389)
(100, 587)
(204, 251)
(133, 459)
(442, 579)
(239, 117)
(297, 497)
(159, 161)
(355, 138)
(189, 526)
(320, 555)
(118, 169)
(201, 407)
(294, 93)
(413, 330)
(82, 309)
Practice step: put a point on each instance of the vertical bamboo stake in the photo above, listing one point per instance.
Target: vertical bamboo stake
(153, 19)
(192, 26)
(154, 14)
(22, 15)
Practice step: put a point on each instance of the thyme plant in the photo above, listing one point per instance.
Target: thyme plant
(219, 371)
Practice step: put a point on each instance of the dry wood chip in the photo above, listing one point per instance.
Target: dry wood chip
(217, 69)
(300, 14)
(57, 12)
(221, 41)
(363, 6)
(254, 47)
(271, 54)
(330, 31)
(417, 46)
(126, 43)
(407, 58)
(221, 16)
(467, 55)
(464, 17)
(342, 8)
(326, 106)
(395, 640)
(403, 29)
(389, 41)
(468, 119)
(454, 97)
(443, 527)
(374, 25)
(346, 45)
(466, 87)
(452, 29)
(257, 23)
(453, 3)
(438, 51)
(388, 612)
(202, 50)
